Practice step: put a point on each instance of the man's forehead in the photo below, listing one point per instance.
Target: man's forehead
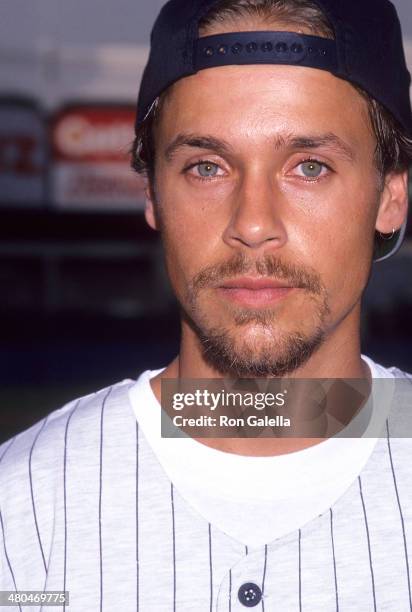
(292, 107)
(255, 81)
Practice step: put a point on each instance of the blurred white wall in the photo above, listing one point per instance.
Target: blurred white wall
(85, 22)
(58, 51)
(55, 75)
(408, 50)
(96, 22)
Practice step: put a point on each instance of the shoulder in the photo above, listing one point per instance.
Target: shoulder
(58, 456)
(379, 371)
(400, 416)
(40, 445)
(397, 373)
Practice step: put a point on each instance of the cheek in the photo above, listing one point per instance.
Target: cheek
(193, 223)
(191, 242)
(335, 219)
(343, 258)
(332, 230)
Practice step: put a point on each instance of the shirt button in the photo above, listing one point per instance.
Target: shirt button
(249, 594)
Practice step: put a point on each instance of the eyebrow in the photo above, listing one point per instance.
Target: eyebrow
(329, 140)
(221, 147)
(200, 142)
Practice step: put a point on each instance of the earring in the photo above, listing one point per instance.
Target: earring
(387, 236)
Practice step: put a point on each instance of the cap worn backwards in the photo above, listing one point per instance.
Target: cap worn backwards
(367, 50)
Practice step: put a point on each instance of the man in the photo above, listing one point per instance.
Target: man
(275, 136)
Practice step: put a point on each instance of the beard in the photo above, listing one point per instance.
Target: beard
(270, 352)
(291, 351)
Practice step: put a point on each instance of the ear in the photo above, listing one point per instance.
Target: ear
(393, 207)
(150, 210)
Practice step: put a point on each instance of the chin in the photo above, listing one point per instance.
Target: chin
(257, 351)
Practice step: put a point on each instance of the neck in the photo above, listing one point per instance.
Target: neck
(339, 356)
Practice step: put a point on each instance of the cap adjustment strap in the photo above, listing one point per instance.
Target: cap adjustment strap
(265, 48)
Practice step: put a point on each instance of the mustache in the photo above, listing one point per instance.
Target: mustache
(268, 266)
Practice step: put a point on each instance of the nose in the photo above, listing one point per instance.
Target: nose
(256, 214)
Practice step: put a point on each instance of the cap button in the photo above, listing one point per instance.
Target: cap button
(281, 47)
(267, 46)
(237, 48)
(296, 48)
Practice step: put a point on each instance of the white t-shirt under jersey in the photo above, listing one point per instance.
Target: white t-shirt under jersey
(257, 499)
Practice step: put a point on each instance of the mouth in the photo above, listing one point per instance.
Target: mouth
(255, 292)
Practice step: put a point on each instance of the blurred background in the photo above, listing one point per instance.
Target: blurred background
(85, 298)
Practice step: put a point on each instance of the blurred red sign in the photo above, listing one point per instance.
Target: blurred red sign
(91, 159)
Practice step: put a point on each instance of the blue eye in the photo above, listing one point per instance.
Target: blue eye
(311, 168)
(207, 169)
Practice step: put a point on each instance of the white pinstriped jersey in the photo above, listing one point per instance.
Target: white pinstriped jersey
(86, 507)
(256, 500)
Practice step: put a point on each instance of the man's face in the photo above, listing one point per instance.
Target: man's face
(265, 172)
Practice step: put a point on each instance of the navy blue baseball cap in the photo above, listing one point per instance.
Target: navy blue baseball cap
(367, 51)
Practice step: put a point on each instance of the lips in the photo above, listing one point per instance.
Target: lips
(255, 292)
